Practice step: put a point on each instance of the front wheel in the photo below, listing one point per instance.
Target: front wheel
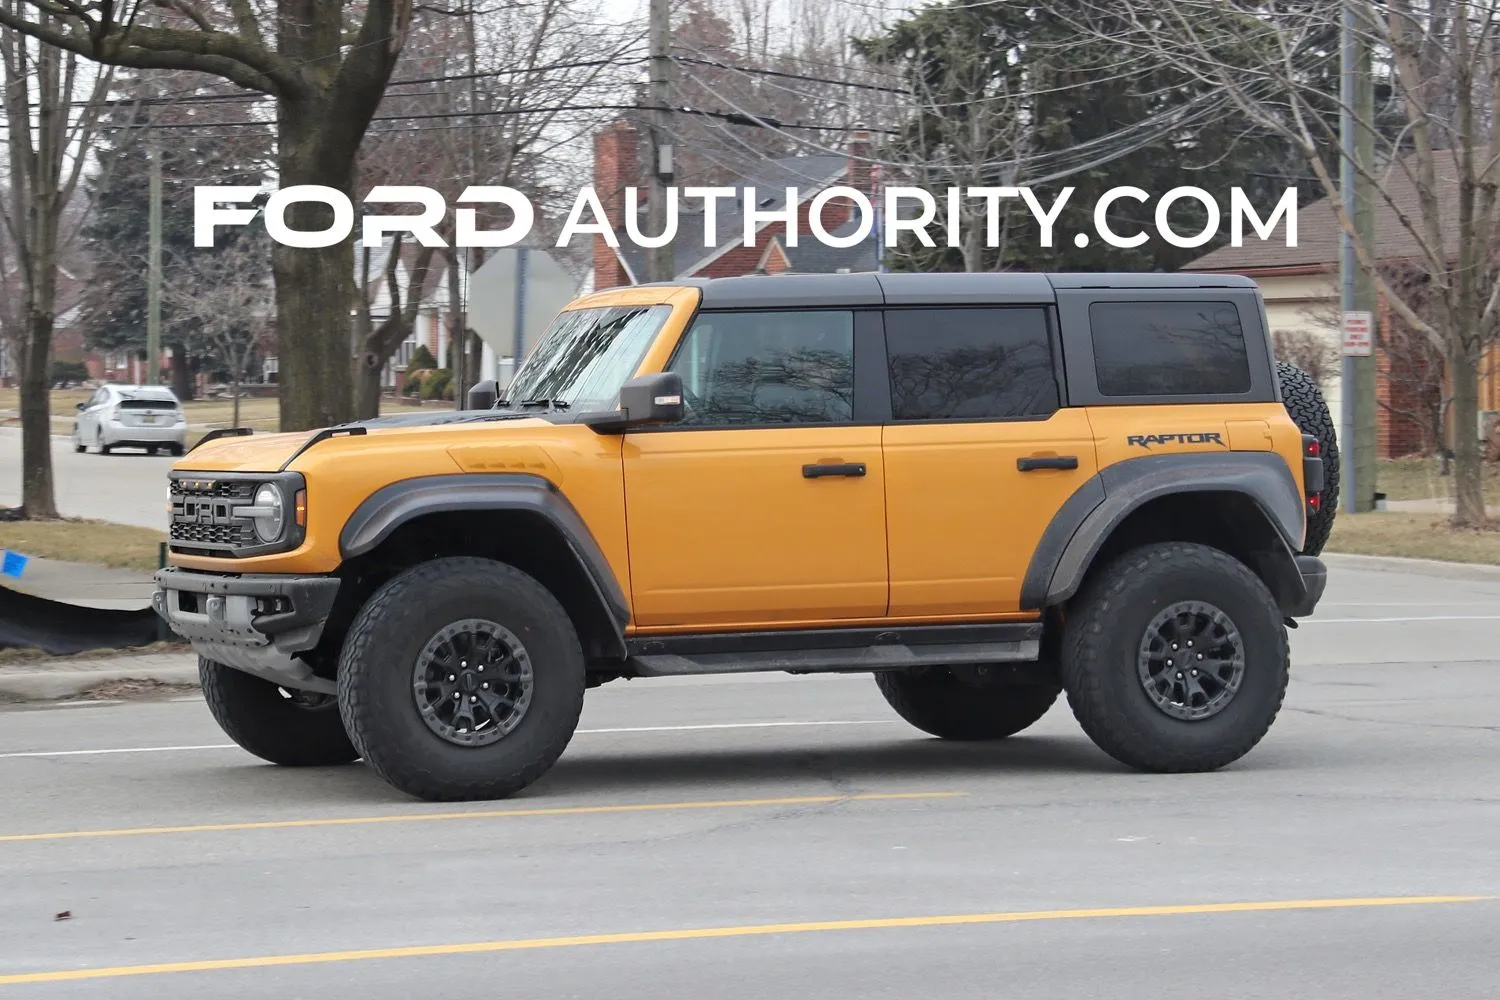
(294, 729)
(941, 702)
(461, 679)
(1175, 658)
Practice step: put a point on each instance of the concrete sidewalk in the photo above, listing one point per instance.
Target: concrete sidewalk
(84, 584)
(53, 678)
(1434, 506)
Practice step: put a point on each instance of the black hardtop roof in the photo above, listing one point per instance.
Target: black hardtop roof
(934, 288)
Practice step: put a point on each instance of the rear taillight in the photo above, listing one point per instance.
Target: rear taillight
(1312, 471)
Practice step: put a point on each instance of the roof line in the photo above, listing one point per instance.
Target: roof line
(823, 185)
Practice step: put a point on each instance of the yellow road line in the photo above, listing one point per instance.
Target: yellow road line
(706, 933)
(286, 824)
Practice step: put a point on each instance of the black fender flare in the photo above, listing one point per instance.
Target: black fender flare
(388, 508)
(1081, 526)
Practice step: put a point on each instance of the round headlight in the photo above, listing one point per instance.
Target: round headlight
(268, 522)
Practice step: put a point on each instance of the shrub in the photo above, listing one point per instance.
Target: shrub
(437, 385)
(421, 359)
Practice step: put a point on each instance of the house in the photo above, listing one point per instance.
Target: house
(617, 166)
(1301, 288)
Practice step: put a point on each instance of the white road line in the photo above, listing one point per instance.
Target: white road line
(1423, 618)
(581, 732)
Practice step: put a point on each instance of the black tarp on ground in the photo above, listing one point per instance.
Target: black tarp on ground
(29, 622)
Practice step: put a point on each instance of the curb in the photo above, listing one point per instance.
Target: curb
(1479, 572)
(69, 681)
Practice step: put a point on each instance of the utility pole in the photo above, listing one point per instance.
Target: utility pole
(1366, 433)
(662, 265)
(153, 266)
(1357, 97)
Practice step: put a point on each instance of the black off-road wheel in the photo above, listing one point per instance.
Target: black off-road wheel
(461, 679)
(942, 702)
(1175, 658)
(291, 728)
(1304, 402)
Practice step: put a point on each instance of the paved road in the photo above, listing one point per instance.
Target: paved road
(693, 805)
(128, 487)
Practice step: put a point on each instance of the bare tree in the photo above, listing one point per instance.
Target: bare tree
(48, 143)
(225, 296)
(1313, 352)
(1439, 176)
(515, 84)
(327, 63)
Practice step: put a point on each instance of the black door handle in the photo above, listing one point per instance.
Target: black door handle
(818, 471)
(1051, 462)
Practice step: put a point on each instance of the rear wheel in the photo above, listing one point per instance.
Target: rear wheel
(1304, 402)
(955, 703)
(462, 679)
(295, 729)
(1175, 658)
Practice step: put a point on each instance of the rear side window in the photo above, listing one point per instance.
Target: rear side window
(970, 364)
(1169, 349)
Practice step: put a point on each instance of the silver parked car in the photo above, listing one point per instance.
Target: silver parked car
(131, 416)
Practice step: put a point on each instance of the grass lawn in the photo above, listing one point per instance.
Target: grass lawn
(1413, 536)
(1418, 479)
(98, 542)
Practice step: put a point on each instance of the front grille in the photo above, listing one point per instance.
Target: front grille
(204, 515)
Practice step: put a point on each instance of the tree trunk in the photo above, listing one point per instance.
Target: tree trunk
(38, 501)
(182, 374)
(314, 286)
(1468, 475)
(457, 327)
(367, 385)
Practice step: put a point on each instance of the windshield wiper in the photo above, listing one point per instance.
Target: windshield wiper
(556, 404)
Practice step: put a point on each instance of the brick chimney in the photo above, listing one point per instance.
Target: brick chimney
(858, 175)
(615, 169)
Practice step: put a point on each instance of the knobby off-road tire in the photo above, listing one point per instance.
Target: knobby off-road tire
(1102, 659)
(302, 731)
(1304, 402)
(937, 702)
(429, 615)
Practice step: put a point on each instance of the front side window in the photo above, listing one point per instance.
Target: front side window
(970, 364)
(1169, 349)
(768, 367)
(586, 355)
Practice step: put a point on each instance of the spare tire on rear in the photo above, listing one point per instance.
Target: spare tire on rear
(1303, 399)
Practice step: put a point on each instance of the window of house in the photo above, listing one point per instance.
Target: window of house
(970, 364)
(1169, 349)
(768, 367)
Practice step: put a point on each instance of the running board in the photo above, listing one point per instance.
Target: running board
(834, 650)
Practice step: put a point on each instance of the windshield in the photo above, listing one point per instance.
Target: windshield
(586, 356)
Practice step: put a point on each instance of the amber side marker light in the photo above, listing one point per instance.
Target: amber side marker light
(301, 507)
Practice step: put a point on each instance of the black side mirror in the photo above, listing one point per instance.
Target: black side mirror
(482, 395)
(650, 399)
(81, 407)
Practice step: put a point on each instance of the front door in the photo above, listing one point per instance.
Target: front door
(979, 456)
(766, 506)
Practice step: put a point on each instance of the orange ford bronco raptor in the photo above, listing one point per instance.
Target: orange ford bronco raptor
(985, 490)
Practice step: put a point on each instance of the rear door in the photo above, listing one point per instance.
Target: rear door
(766, 506)
(980, 454)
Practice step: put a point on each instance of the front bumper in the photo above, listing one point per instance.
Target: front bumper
(255, 623)
(1314, 580)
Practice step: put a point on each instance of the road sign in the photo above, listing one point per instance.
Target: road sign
(1359, 339)
(515, 295)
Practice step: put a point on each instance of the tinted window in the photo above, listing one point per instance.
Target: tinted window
(768, 367)
(1169, 348)
(973, 364)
